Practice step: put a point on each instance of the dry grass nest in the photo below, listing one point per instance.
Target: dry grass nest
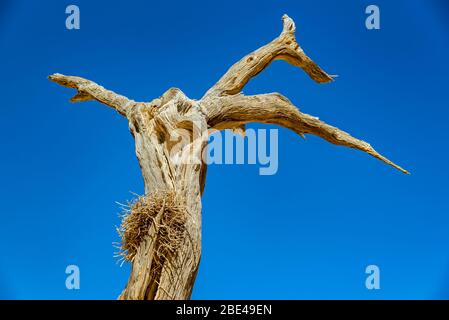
(161, 215)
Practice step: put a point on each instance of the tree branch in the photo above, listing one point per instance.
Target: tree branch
(232, 111)
(283, 47)
(89, 90)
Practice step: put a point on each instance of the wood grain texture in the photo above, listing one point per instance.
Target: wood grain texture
(171, 133)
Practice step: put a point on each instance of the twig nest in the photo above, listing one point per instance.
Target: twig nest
(160, 215)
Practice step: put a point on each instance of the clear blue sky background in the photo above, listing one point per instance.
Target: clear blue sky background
(307, 232)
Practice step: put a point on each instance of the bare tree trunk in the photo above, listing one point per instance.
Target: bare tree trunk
(181, 171)
(171, 133)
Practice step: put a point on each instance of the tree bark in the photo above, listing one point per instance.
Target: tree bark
(171, 133)
(180, 171)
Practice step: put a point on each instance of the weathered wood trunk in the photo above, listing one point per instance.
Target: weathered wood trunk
(171, 133)
(170, 159)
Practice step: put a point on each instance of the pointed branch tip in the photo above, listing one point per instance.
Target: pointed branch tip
(289, 24)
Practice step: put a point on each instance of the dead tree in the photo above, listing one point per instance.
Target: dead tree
(161, 236)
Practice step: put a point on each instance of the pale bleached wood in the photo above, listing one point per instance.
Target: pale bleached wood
(170, 132)
(89, 90)
(285, 47)
(230, 111)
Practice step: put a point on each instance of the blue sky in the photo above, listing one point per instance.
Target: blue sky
(307, 232)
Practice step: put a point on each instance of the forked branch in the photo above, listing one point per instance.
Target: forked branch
(283, 47)
(226, 108)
